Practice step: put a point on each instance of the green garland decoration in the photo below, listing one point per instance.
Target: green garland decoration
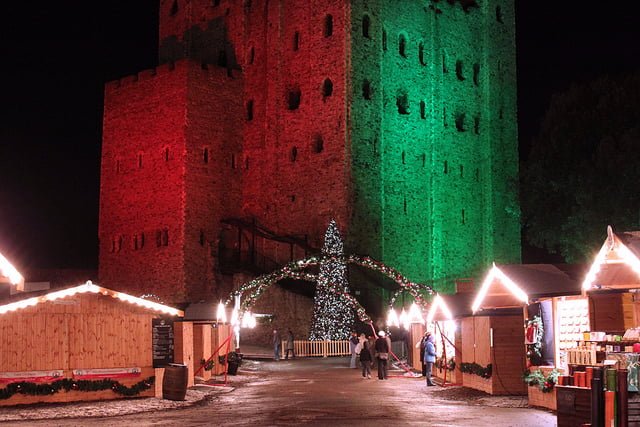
(207, 364)
(449, 365)
(475, 369)
(535, 349)
(68, 384)
(537, 378)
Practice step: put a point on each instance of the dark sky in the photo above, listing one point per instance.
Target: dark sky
(57, 56)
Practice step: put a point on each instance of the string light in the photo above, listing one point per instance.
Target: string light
(496, 273)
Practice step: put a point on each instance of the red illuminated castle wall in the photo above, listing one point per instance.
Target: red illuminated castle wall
(251, 116)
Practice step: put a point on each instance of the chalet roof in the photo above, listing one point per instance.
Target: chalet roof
(617, 265)
(513, 285)
(20, 301)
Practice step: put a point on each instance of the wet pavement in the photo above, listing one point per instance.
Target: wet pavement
(325, 392)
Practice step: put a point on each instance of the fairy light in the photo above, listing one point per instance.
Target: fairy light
(595, 268)
(89, 287)
(9, 271)
(496, 273)
(415, 315)
(221, 315)
(392, 318)
(627, 257)
(438, 303)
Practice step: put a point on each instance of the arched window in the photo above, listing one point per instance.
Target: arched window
(250, 110)
(328, 26)
(402, 45)
(366, 89)
(293, 98)
(421, 54)
(327, 88)
(366, 23)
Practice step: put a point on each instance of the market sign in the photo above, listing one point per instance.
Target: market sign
(162, 340)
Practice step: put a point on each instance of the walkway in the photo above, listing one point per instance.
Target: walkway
(325, 392)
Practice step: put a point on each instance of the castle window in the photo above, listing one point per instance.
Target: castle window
(317, 145)
(402, 45)
(201, 238)
(461, 171)
(476, 74)
(477, 177)
(403, 158)
(174, 8)
(424, 159)
(460, 122)
(292, 198)
(216, 3)
(296, 40)
(327, 88)
(446, 167)
(366, 23)
(459, 70)
(402, 102)
(293, 154)
(246, 163)
(165, 237)
(141, 241)
(166, 154)
(476, 125)
(119, 247)
(205, 155)
(247, 4)
(117, 166)
(233, 161)
(366, 89)
(140, 161)
(444, 63)
(384, 39)
(421, 54)
(499, 17)
(423, 112)
(293, 99)
(252, 55)
(158, 238)
(462, 216)
(250, 110)
(328, 26)
(405, 205)
(445, 122)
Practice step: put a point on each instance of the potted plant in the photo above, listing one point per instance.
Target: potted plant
(233, 360)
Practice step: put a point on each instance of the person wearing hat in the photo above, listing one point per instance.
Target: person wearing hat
(429, 357)
(382, 354)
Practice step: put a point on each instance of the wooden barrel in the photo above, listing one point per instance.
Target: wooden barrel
(174, 382)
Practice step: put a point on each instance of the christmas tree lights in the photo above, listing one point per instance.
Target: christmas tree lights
(333, 317)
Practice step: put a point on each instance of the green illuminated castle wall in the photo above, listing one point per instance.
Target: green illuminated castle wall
(434, 137)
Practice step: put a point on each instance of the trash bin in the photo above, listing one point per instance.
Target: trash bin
(174, 382)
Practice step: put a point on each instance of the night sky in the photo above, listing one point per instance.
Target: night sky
(57, 56)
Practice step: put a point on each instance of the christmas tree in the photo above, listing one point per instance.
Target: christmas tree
(333, 317)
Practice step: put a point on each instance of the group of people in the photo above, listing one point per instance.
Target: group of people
(277, 344)
(370, 349)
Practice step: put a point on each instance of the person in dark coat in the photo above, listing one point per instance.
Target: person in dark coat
(365, 360)
(429, 357)
(289, 346)
(382, 355)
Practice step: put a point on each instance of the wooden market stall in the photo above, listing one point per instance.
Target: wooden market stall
(76, 344)
(609, 339)
(512, 298)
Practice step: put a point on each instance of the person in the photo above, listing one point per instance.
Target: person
(289, 346)
(365, 359)
(420, 344)
(276, 344)
(429, 357)
(353, 343)
(382, 355)
(386, 366)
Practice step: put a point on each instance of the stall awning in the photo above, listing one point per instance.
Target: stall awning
(9, 274)
(515, 285)
(617, 265)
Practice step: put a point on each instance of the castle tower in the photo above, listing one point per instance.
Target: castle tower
(395, 118)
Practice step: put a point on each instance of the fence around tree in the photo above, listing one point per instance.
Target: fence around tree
(303, 348)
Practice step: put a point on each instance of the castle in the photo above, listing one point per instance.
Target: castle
(395, 118)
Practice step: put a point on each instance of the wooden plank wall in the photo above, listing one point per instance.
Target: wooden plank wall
(183, 348)
(606, 313)
(80, 332)
(508, 355)
(474, 336)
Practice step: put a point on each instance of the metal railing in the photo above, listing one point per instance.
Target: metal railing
(304, 348)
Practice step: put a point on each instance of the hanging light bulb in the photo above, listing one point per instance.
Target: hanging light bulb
(404, 319)
(392, 318)
(221, 315)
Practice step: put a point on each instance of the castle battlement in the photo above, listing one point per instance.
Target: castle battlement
(168, 68)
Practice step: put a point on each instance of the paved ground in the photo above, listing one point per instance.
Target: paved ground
(321, 392)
